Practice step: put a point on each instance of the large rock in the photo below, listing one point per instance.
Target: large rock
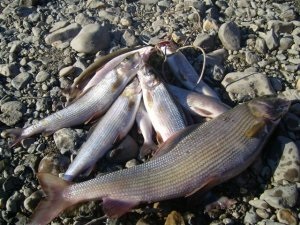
(229, 34)
(91, 39)
(244, 85)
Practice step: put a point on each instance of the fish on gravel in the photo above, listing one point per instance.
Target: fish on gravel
(111, 129)
(88, 107)
(101, 66)
(165, 114)
(185, 72)
(197, 158)
(196, 103)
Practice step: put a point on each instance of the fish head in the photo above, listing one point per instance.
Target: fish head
(148, 77)
(132, 88)
(269, 108)
(131, 62)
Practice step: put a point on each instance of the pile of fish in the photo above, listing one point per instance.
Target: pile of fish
(185, 156)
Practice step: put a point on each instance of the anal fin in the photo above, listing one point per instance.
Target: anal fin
(255, 129)
(114, 208)
(210, 182)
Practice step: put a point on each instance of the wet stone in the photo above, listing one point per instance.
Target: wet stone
(288, 166)
(281, 197)
(286, 216)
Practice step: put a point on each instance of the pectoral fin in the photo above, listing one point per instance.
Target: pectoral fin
(114, 208)
(255, 129)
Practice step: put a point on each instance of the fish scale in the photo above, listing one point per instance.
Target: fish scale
(196, 158)
(169, 172)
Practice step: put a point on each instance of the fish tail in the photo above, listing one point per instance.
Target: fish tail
(15, 133)
(54, 203)
(147, 149)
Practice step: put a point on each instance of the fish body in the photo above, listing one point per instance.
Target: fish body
(89, 106)
(111, 128)
(164, 113)
(198, 104)
(197, 158)
(145, 126)
(185, 72)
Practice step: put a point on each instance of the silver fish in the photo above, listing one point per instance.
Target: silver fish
(163, 111)
(91, 105)
(111, 128)
(198, 104)
(197, 158)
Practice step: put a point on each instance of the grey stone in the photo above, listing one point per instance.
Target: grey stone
(262, 213)
(281, 197)
(29, 2)
(126, 150)
(63, 34)
(8, 70)
(92, 38)
(103, 14)
(251, 218)
(286, 216)
(288, 15)
(131, 163)
(66, 71)
(280, 27)
(245, 85)
(229, 34)
(31, 202)
(58, 25)
(42, 76)
(260, 45)
(65, 140)
(95, 4)
(11, 119)
(21, 80)
(272, 40)
(205, 41)
(251, 58)
(129, 39)
(149, 1)
(83, 19)
(288, 166)
(11, 106)
(259, 204)
(13, 203)
(285, 43)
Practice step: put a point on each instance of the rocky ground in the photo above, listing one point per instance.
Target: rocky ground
(252, 50)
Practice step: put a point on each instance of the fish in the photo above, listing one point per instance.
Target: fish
(111, 129)
(198, 104)
(185, 72)
(165, 114)
(145, 126)
(88, 107)
(196, 159)
(101, 66)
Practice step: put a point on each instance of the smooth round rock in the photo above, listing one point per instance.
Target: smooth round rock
(91, 39)
(229, 34)
(286, 216)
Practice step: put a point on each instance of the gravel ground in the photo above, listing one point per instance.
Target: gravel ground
(252, 50)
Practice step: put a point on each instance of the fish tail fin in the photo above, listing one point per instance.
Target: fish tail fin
(54, 203)
(147, 149)
(15, 133)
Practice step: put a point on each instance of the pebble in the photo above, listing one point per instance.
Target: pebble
(229, 34)
(245, 85)
(286, 216)
(66, 71)
(280, 27)
(32, 201)
(206, 41)
(285, 43)
(129, 39)
(288, 166)
(251, 217)
(11, 118)
(126, 150)
(91, 39)
(262, 213)
(13, 203)
(131, 163)
(272, 40)
(259, 204)
(95, 4)
(63, 34)
(251, 58)
(42, 76)
(260, 45)
(281, 197)
(21, 80)
(11, 106)
(65, 140)
(174, 218)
